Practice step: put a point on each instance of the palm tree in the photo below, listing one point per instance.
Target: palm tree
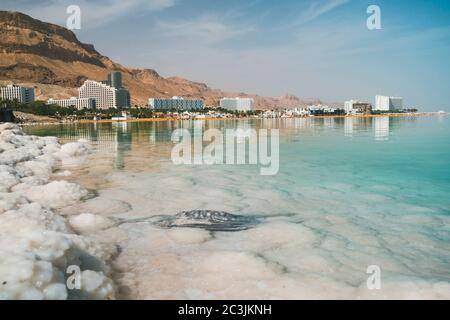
(3, 103)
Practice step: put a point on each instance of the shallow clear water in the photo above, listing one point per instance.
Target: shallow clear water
(349, 193)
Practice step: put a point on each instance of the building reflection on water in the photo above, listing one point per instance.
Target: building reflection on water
(134, 141)
(381, 128)
(112, 139)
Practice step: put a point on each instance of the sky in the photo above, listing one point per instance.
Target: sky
(310, 48)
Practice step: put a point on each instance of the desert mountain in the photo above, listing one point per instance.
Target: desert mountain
(52, 59)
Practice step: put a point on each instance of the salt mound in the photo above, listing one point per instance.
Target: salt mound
(189, 236)
(74, 149)
(86, 222)
(37, 244)
(56, 194)
(239, 265)
(73, 153)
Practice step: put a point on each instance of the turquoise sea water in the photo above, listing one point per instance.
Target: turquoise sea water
(349, 193)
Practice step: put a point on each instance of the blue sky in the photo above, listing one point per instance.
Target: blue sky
(310, 48)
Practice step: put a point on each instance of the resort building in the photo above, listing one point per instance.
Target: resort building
(384, 103)
(108, 94)
(122, 94)
(357, 107)
(237, 104)
(297, 112)
(79, 103)
(348, 106)
(177, 103)
(115, 79)
(321, 110)
(14, 92)
(104, 95)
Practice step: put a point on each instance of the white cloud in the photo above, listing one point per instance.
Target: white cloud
(316, 9)
(205, 29)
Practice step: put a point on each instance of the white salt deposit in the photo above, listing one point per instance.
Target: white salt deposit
(308, 255)
(316, 243)
(73, 149)
(73, 153)
(55, 194)
(36, 243)
(64, 173)
(188, 236)
(87, 222)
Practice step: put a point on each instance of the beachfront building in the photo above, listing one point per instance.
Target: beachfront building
(384, 103)
(125, 116)
(122, 94)
(115, 79)
(321, 110)
(104, 95)
(297, 112)
(357, 107)
(175, 103)
(108, 94)
(19, 93)
(348, 106)
(237, 104)
(271, 114)
(79, 103)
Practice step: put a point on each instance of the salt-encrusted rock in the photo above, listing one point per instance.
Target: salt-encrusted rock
(87, 222)
(56, 194)
(210, 220)
(37, 245)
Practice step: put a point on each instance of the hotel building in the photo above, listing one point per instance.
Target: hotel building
(383, 103)
(108, 94)
(177, 103)
(14, 92)
(79, 103)
(237, 104)
(357, 107)
(122, 94)
(104, 95)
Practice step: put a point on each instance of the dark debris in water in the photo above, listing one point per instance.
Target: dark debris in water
(209, 220)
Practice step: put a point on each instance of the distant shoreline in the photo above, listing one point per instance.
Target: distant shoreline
(425, 114)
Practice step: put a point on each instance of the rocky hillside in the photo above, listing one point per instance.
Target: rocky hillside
(52, 59)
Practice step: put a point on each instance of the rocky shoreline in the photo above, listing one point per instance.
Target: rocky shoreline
(22, 117)
(38, 246)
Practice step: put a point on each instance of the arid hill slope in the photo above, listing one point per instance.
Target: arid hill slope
(52, 59)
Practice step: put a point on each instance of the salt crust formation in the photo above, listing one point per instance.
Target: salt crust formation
(37, 244)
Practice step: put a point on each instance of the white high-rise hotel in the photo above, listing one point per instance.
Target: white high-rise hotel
(21, 94)
(104, 95)
(238, 104)
(383, 103)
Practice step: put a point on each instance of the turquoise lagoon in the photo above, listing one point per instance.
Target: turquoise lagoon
(350, 193)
